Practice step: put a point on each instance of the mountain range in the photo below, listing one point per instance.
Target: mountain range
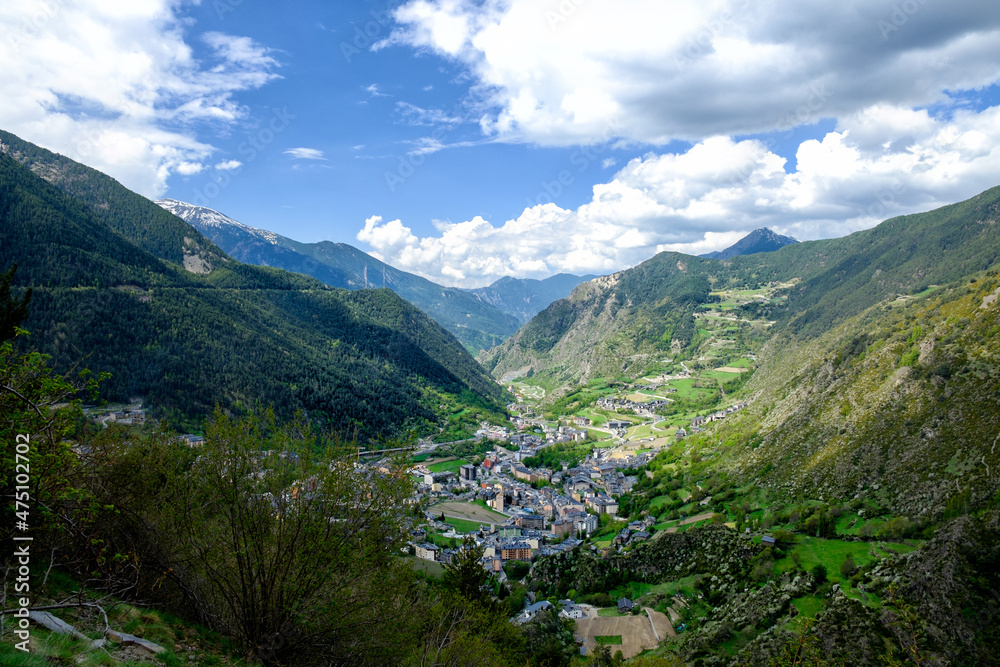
(875, 373)
(869, 397)
(124, 287)
(619, 322)
(479, 318)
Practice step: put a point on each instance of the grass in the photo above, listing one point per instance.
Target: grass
(47, 648)
(641, 431)
(686, 389)
(428, 567)
(720, 375)
(442, 541)
(636, 589)
(659, 500)
(813, 551)
(448, 466)
(808, 606)
(604, 612)
(463, 525)
(608, 639)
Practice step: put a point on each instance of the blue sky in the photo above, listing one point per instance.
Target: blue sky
(470, 140)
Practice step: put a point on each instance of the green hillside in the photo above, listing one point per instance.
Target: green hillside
(621, 324)
(366, 363)
(865, 443)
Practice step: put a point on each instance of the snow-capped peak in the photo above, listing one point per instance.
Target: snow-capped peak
(207, 217)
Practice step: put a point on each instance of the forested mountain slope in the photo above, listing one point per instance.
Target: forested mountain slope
(525, 297)
(218, 331)
(478, 325)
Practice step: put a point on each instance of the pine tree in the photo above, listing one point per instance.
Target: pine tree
(465, 573)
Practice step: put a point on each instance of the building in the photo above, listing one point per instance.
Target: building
(625, 606)
(561, 527)
(515, 551)
(586, 524)
(529, 613)
(467, 473)
(571, 610)
(427, 551)
(531, 522)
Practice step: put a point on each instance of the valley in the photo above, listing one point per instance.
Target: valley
(693, 461)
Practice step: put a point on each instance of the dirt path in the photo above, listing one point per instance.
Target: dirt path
(691, 519)
(662, 626)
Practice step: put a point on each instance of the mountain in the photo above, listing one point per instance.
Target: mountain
(620, 324)
(863, 379)
(122, 286)
(524, 298)
(608, 325)
(476, 323)
(759, 240)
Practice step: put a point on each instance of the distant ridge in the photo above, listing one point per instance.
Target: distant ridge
(759, 240)
(525, 297)
(476, 323)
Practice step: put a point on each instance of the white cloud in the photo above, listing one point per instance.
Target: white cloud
(116, 85)
(711, 195)
(561, 73)
(414, 115)
(189, 168)
(229, 165)
(305, 153)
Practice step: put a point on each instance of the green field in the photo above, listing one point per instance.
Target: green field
(448, 466)
(608, 611)
(440, 540)
(608, 639)
(429, 567)
(720, 375)
(635, 590)
(814, 551)
(641, 431)
(686, 389)
(462, 525)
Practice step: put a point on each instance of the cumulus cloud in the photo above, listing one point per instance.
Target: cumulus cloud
(116, 85)
(561, 73)
(884, 161)
(228, 165)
